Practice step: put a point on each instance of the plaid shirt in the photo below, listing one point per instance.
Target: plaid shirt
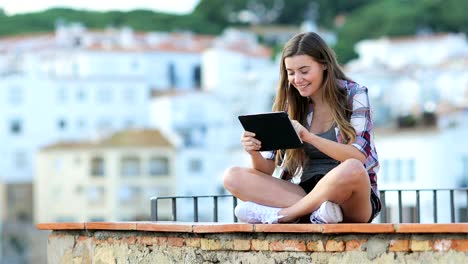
(361, 120)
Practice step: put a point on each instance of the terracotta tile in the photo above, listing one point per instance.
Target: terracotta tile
(110, 225)
(421, 245)
(288, 228)
(242, 244)
(432, 228)
(60, 226)
(399, 245)
(354, 244)
(335, 246)
(460, 245)
(260, 244)
(315, 246)
(165, 226)
(221, 228)
(288, 245)
(358, 228)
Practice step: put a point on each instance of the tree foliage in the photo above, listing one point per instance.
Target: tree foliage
(400, 18)
(364, 18)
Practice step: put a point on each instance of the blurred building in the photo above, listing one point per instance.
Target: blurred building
(418, 87)
(412, 75)
(238, 77)
(106, 180)
(425, 158)
(81, 86)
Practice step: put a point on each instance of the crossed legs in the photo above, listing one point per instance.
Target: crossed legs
(347, 185)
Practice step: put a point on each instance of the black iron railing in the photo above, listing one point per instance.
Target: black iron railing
(407, 202)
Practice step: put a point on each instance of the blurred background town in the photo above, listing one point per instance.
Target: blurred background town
(102, 110)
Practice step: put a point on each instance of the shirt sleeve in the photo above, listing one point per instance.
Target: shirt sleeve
(269, 155)
(361, 120)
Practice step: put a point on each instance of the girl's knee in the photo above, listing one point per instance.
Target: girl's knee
(233, 178)
(354, 170)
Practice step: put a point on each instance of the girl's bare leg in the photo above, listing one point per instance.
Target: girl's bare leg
(347, 185)
(252, 185)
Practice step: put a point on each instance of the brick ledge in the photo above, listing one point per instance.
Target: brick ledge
(208, 227)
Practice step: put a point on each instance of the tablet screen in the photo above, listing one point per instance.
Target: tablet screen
(273, 129)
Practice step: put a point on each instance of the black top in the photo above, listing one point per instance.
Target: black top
(318, 164)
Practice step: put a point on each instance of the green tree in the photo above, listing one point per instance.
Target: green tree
(399, 18)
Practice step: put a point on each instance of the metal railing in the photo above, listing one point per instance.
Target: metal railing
(408, 203)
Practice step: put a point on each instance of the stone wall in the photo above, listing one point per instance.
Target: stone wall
(290, 245)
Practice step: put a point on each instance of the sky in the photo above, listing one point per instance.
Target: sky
(12, 7)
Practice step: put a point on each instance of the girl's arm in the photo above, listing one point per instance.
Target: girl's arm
(334, 150)
(362, 123)
(261, 164)
(252, 146)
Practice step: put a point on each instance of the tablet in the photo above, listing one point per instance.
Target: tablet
(273, 129)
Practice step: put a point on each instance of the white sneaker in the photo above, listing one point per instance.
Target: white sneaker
(328, 213)
(252, 213)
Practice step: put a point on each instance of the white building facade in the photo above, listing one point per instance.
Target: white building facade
(77, 84)
(107, 180)
(423, 79)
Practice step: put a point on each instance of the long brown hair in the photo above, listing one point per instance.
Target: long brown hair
(287, 98)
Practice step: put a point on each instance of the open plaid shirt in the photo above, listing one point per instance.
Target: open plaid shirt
(361, 120)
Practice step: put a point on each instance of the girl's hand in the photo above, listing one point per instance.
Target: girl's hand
(250, 143)
(300, 129)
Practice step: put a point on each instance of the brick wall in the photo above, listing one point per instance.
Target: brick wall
(241, 243)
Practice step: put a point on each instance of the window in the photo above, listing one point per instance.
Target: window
(465, 166)
(16, 127)
(195, 165)
(79, 189)
(81, 124)
(134, 65)
(96, 194)
(129, 194)
(129, 95)
(15, 95)
(130, 166)
(58, 164)
(104, 125)
(75, 69)
(397, 175)
(80, 95)
(197, 76)
(104, 95)
(398, 170)
(76, 41)
(62, 124)
(410, 169)
(97, 167)
(159, 166)
(172, 75)
(62, 95)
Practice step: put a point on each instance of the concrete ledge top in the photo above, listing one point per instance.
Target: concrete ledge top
(210, 227)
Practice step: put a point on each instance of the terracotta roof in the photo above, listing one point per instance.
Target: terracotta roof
(173, 42)
(137, 138)
(126, 138)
